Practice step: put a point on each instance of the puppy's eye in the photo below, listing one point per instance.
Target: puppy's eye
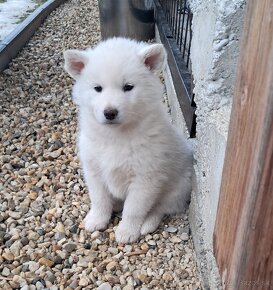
(128, 87)
(98, 89)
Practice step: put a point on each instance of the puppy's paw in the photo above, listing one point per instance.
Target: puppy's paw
(150, 224)
(93, 222)
(126, 234)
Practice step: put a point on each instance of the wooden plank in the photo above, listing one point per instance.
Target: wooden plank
(243, 235)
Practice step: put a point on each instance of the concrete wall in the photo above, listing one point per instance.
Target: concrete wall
(217, 27)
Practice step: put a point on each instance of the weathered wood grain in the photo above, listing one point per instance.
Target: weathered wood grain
(243, 235)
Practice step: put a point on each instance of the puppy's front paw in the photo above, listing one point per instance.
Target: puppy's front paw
(150, 224)
(126, 234)
(94, 222)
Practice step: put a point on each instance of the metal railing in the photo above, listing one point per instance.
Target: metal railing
(174, 21)
(179, 17)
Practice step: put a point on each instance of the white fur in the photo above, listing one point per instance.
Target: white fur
(141, 159)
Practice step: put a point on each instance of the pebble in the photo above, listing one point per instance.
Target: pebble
(95, 235)
(39, 286)
(128, 287)
(6, 272)
(127, 248)
(184, 237)
(105, 286)
(87, 246)
(113, 251)
(70, 247)
(8, 256)
(33, 266)
(15, 214)
(24, 241)
(83, 282)
(15, 248)
(151, 243)
(111, 266)
(46, 262)
(74, 228)
(175, 240)
(32, 195)
(171, 229)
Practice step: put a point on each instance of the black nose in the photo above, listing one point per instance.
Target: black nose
(110, 114)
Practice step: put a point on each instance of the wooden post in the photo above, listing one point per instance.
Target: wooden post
(243, 234)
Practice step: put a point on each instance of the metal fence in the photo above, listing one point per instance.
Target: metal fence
(174, 21)
(179, 17)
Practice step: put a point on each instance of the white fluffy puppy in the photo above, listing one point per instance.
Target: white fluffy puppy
(129, 150)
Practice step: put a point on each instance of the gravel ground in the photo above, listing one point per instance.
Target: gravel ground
(43, 197)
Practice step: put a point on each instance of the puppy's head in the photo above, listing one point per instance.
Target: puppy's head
(116, 82)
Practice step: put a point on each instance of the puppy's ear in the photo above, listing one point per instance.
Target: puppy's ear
(154, 57)
(75, 61)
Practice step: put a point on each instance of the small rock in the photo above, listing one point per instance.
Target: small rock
(37, 207)
(32, 195)
(167, 276)
(38, 279)
(24, 241)
(6, 272)
(83, 262)
(101, 266)
(95, 235)
(112, 279)
(59, 236)
(83, 282)
(33, 236)
(128, 287)
(58, 260)
(39, 286)
(87, 246)
(175, 240)
(8, 256)
(151, 243)
(184, 237)
(60, 227)
(6, 237)
(15, 214)
(165, 234)
(127, 249)
(74, 284)
(74, 228)
(171, 229)
(53, 155)
(46, 262)
(70, 247)
(33, 266)
(113, 251)
(144, 247)
(111, 266)
(105, 286)
(184, 274)
(15, 248)
(49, 276)
(41, 232)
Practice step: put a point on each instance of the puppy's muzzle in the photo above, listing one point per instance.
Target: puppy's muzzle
(110, 114)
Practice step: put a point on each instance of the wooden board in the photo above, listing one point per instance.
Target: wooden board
(243, 235)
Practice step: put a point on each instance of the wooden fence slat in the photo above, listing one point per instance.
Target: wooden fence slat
(243, 235)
